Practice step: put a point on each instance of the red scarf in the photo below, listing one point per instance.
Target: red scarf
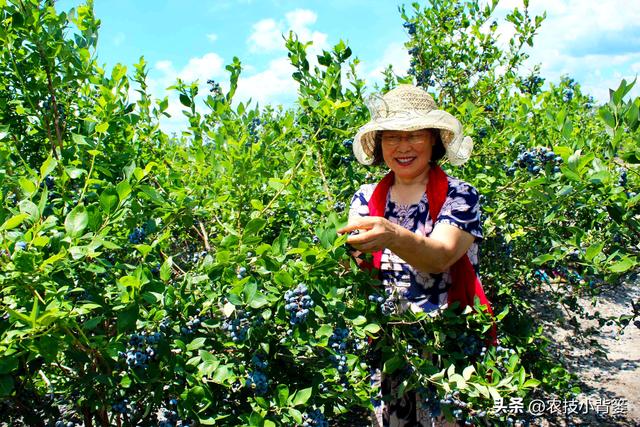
(465, 283)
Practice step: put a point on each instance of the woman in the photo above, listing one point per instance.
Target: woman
(422, 226)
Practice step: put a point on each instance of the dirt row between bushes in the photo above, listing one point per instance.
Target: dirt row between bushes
(605, 358)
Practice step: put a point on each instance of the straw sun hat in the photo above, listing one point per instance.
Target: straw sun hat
(409, 108)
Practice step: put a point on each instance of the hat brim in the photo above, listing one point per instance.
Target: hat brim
(449, 127)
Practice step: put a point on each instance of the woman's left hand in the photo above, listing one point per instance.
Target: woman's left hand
(379, 233)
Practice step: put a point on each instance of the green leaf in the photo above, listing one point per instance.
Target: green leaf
(124, 189)
(109, 199)
(254, 226)
(165, 269)
(541, 259)
(30, 208)
(6, 385)
(605, 114)
(79, 139)
(622, 266)
(324, 331)
(372, 328)
(48, 165)
(593, 250)
(258, 300)
(14, 221)
(301, 396)
(74, 173)
(467, 372)
(569, 173)
(76, 221)
(249, 291)
(102, 127)
(185, 100)
(296, 415)
(222, 374)
(28, 186)
(196, 343)
(393, 364)
(360, 320)
(283, 395)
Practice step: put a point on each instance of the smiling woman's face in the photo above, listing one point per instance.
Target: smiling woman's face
(407, 154)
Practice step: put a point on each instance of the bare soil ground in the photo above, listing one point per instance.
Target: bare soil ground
(605, 358)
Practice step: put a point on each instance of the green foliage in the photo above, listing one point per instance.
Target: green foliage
(148, 277)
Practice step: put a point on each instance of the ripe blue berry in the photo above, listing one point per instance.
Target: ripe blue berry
(137, 235)
(298, 304)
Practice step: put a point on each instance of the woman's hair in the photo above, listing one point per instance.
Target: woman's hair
(437, 151)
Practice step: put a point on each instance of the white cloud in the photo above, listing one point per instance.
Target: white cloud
(585, 39)
(395, 54)
(273, 85)
(212, 37)
(164, 74)
(203, 68)
(267, 35)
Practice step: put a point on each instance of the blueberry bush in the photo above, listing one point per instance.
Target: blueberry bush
(197, 279)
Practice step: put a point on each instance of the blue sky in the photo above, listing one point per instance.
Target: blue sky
(595, 42)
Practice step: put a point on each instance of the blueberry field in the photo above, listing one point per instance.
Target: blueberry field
(197, 278)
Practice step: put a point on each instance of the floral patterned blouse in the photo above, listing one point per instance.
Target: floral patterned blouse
(412, 288)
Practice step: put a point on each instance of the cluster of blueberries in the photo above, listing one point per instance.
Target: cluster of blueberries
(165, 325)
(423, 79)
(298, 303)
(314, 418)
(258, 382)
(535, 160)
(242, 272)
(430, 400)
(171, 416)
(61, 423)
(532, 84)
(50, 182)
(237, 327)
(622, 181)
(348, 145)
(339, 206)
(197, 256)
(338, 343)
(258, 362)
(254, 128)
(410, 27)
(192, 325)
(141, 350)
(452, 399)
(121, 407)
(137, 235)
(214, 87)
(387, 305)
